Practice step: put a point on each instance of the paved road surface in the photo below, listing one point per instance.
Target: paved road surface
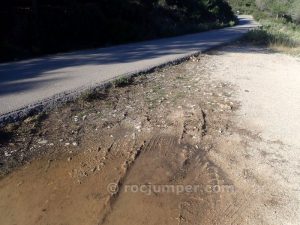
(33, 82)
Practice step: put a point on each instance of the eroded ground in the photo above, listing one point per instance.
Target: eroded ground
(164, 148)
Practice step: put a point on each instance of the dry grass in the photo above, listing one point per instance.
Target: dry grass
(276, 34)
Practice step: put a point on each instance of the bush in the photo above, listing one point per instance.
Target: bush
(243, 6)
(261, 4)
(295, 12)
(61, 25)
(280, 9)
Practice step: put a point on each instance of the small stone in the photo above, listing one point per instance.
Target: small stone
(69, 159)
(75, 143)
(7, 154)
(124, 165)
(67, 144)
(28, 120)
(42, 142)
(223, 106)
(84, 117)
(133, 136)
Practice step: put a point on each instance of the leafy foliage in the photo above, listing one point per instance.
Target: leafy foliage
(280, 23)
(287, 9)
(33, 27)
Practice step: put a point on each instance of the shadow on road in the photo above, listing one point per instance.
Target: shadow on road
(30, 74)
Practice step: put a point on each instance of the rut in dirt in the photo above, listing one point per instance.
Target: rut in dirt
(170, 159)
(156, 132)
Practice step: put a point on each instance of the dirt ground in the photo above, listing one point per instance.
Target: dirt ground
(185, 144)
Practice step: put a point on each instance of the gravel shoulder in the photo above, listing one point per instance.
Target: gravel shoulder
(223, 124)
(268, 91)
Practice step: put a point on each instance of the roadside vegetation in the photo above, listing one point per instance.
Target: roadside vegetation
(34, 27)
(280, 20)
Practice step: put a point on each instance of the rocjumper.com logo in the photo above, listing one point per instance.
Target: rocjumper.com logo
(177, 189)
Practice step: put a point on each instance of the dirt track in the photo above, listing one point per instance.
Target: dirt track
(176, 143)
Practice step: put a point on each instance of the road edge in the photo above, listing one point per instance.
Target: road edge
(62, 98)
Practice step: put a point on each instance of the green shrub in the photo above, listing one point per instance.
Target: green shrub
(243, 6)
(54, 25)
(295, 11)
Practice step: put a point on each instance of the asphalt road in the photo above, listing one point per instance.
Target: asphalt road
(32, 83)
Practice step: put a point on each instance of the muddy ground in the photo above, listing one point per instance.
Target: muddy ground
(161, 148)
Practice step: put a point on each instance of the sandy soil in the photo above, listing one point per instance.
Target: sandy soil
(210, 141)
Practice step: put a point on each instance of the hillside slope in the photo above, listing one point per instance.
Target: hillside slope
(34, 27)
